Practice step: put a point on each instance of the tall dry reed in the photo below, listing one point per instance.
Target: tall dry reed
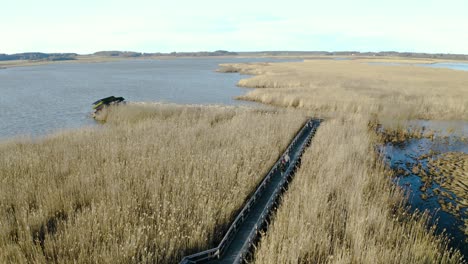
(337, 87)
(153, 184)
(342, 207)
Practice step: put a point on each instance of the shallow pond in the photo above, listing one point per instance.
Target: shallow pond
(426, 166)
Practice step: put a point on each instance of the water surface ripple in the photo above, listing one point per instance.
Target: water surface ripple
(37, 100)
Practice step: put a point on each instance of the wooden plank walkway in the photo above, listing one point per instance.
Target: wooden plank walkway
(243, 232)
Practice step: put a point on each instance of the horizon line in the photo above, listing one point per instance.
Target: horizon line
(252, 51)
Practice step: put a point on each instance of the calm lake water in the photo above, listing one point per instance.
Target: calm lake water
(41, 99)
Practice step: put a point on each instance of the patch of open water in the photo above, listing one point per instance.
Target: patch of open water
(412, 159)
(447, 65)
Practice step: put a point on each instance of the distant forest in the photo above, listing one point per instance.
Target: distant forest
(130, 54)
(176, 54)
(357, 53)
(38, 56)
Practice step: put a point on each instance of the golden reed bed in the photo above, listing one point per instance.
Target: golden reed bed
(342, 87)
(342, 206)
(450, 171)
(155, 183)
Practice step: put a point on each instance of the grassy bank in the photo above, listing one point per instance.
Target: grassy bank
(78, 59)
(342, 206)
(155, 183)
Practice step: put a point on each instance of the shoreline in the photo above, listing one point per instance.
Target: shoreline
(103, 59)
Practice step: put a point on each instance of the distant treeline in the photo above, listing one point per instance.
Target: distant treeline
(176, 54)
(132, 54)
(38, 56)
(285, 53)
(357, 53)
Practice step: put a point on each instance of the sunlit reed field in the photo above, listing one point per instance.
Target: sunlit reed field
(342, 206)
(342, 87)
(154, 183)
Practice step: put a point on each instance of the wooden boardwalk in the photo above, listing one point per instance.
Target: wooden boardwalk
(244, 231)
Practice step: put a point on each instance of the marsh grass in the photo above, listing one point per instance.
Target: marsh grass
(156, 182)
(342, 87)
(450, 171)
(342, 206)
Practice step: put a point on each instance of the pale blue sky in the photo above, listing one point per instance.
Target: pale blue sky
(86, 26)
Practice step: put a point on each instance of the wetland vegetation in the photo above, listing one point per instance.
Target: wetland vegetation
(125, 192)
(155, 183)
(429, 163)
(343, 205)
